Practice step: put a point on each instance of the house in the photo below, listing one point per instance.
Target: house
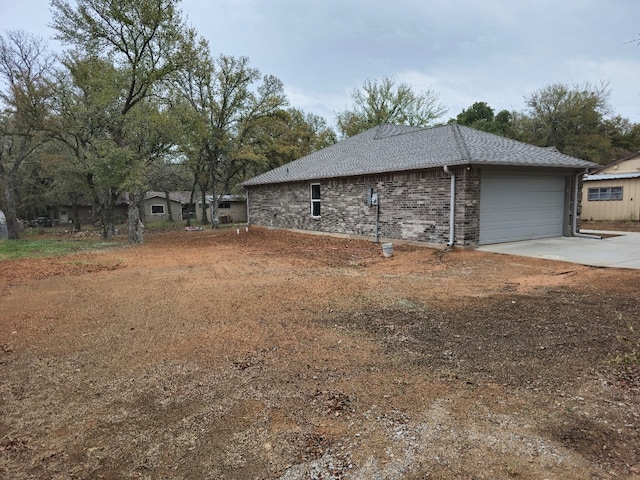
(159, 208)
(446, 184)
(156, 206)
(613, 191)
(156, 209)
(231, 208)
(65, 213)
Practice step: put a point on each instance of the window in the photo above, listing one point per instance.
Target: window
(605, 193)
(315, 199)
(157, 209)
(224, 205)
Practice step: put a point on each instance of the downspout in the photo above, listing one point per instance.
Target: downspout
(377, 221)
(574, 227)
(452, 208)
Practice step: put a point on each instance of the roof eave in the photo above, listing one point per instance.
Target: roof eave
(456, 163)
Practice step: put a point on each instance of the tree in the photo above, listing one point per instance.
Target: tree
(503, 122)
(24, 98)
(569, 118)
(380, 102)
(480, 116)
(147, 41)
(86, 97)
(478, 112)
(222, 109)
(623, 134)
(286, 136)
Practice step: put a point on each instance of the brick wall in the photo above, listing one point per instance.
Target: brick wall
(412, 206)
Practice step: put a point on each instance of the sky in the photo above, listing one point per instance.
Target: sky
(466, 51)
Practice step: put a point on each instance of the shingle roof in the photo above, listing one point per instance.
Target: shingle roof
(390, 148)
(173, 196)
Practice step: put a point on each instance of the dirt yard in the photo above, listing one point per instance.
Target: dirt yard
(274, 355)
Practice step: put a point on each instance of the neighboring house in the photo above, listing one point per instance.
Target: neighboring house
(65, 213)
(231, 208)
(62, 213)
(408, 183)
(613, 191)
(157, 208)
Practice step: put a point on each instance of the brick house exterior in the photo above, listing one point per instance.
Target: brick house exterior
(414, 201)
(405, 212)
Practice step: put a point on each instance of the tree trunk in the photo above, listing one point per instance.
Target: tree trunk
(136, 227)
(192, 207)
(76, 215)
(214, 204)
(166, 196)
(106, 215)
(11, 214)
(142, 214)
(203, 192)
(106, 220)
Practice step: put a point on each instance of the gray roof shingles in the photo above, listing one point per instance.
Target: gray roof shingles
(390, 148)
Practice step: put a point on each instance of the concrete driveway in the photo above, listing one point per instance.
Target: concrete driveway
(619, 251)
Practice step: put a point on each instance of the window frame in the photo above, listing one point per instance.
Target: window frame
(315, 201)
(604, 194)
(155, 206)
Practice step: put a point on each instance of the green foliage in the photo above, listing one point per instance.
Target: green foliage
(145, 42)
(86, 102)
(623, 134)
(286, 136)
(41, 247)
(144, 38)
(478, 112)
(25, 94)
(575, 120)
(225, 105)
(382, 101)
(480, 116)
(569, 118)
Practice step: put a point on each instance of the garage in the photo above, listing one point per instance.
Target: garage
(449, 184)
(516, 207)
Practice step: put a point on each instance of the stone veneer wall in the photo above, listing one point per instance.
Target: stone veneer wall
(413, 206)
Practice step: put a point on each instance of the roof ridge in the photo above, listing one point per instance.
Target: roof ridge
(461, 145)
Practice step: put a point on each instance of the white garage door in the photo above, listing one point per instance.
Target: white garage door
(521, 207)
